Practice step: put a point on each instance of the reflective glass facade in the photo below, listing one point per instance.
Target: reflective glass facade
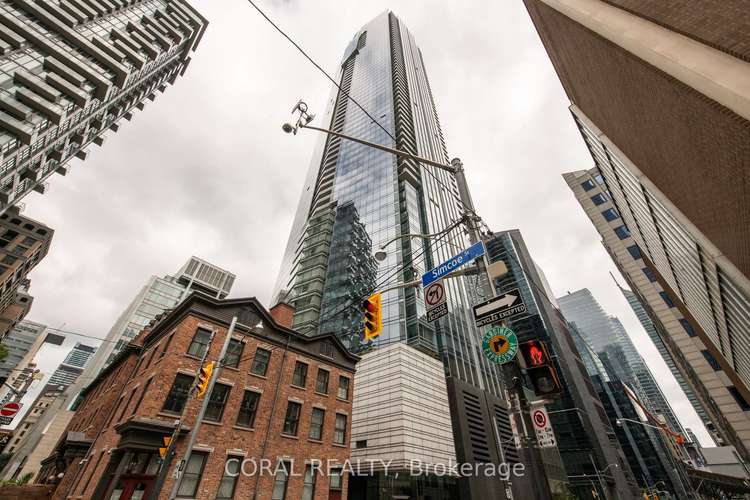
(607, 337)
(356, 199)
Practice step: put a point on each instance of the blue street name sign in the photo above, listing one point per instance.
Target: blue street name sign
(450, 265)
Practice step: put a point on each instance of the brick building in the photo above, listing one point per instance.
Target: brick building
(282, 397)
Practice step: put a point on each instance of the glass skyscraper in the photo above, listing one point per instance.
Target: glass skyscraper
(608, 338)
(356, 199)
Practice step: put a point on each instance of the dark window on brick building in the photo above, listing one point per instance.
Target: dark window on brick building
(178, 394)
(326, 349)
(611, 214)
(300, 374)
(339, 430)
(711, 360)
(216, 403)
(200, 342)
(316, 423)
(260, 361)
(588, 185)
(166, 346)
(343, 388)
(635, 252)
(229, 479)
(738, 397)
(622, 232)
(291, 420)
(667, 300)
(248, 408)
(321, 383)
(335, 479)
(649, 274)
(191, 478)
(280, 481)
(143, 394)
(688, 327)
(308, 487)
(599, 198)
(234, 353)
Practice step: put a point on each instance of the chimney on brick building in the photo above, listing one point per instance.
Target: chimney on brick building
(283, 314)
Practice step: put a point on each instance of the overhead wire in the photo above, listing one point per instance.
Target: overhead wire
(346, 94)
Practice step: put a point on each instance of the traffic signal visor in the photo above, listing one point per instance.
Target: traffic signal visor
(373, 317)
(204, 378)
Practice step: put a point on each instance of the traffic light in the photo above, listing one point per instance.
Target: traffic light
(539, 368)
(163, 451)
(373, 317)
(204, 377)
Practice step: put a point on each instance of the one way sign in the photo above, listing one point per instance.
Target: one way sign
(500, 307)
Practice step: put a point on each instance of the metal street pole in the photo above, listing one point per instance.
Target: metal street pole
(161, 475)
(206, 397)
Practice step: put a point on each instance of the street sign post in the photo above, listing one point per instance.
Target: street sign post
(8, 411)
(500, 345)
(435, 300)
(434, 294)
(450, 265)
(498, 308)
(544, 433)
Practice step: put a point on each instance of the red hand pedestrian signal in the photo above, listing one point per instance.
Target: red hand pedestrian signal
(536, 355)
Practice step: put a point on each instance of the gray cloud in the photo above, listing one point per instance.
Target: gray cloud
(206, 170)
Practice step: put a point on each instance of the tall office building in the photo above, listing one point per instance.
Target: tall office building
(71, 70)
(72, 366)
(659, 92)
(606, 335)
(584, 433)
(355, 200)
(653, 334)
(23, 244)
(158, 295)
(647, 452)
(22, 343)
(722, 393)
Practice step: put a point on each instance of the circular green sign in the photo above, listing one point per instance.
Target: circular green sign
(500, 344)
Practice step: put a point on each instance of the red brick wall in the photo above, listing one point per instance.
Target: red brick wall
(219, 438)
(722, 24)
(696, 151)
(92, 414)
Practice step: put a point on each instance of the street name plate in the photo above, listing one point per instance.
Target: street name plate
(450, 265)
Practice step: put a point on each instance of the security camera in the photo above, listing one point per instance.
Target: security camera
(287, 127)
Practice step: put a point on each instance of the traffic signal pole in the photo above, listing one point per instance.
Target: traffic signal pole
(199, 418)
(167, 458)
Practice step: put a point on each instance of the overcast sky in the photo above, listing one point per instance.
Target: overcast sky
(206, 170)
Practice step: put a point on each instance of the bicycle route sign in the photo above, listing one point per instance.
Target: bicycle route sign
(500, 344)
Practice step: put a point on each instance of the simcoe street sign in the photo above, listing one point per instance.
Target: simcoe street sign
(450, 265)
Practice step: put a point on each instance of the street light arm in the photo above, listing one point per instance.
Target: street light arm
(397, 152)
(416, 235)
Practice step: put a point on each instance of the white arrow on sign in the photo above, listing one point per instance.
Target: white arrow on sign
(506, 301)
